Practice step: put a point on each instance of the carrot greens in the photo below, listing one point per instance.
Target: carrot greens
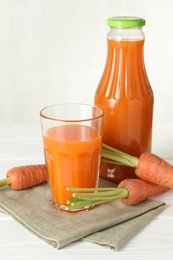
(115, 156)
(83, 197)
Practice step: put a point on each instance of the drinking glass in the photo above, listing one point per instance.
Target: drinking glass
(72, 137)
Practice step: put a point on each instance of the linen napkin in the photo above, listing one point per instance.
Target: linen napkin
(111, 224)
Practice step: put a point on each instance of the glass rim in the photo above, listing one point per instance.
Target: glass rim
(42, 115)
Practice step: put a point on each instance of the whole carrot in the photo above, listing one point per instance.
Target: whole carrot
(149, 167)
(139, 190)
(129, 191)
(154, 169)
(23, 177)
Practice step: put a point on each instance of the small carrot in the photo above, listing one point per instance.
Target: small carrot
(139, 190)
(154, 169)
(23, 177)
(149, 167)
(129, 191)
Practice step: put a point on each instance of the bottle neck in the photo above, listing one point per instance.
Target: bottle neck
(126, 34)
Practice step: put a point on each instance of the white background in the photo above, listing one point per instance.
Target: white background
(54, 51)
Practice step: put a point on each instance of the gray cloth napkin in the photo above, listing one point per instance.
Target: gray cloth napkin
(111, 224)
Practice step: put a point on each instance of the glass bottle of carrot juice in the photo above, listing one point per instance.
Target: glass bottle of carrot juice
(125, 95)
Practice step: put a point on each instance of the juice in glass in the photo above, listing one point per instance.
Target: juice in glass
(72, 154)
(72, 158)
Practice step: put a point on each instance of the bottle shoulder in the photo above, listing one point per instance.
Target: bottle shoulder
(124, 75)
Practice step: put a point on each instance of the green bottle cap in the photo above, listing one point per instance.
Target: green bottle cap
(125, 21)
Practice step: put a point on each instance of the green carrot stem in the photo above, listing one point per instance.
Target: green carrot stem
(5, 182)
(124, 160)
(112, 149)
(120, 194)
(89, 189)
(113, 157)
(98, 194)
(118, 156)
(93, 198)
(78, 202)
(82, 205)
(83, 200)
(111, 161)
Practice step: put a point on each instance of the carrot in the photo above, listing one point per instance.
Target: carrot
(23, 177)
(154, 169)
(129, 191)
(139, 190)
(149, 167)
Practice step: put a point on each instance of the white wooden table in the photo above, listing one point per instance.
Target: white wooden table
(22, 144)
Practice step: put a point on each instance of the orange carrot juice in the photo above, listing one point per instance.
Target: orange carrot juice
(72, 155)
(125, 95)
